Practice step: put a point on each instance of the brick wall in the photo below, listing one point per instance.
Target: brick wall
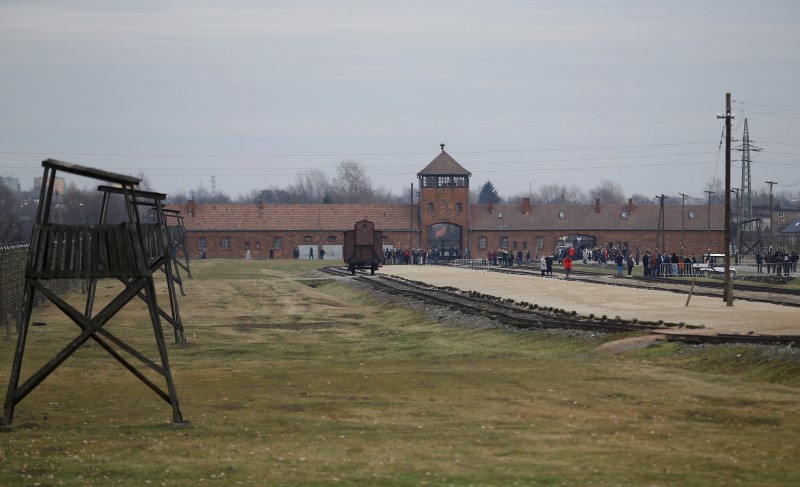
(261, 241)
(694, 242)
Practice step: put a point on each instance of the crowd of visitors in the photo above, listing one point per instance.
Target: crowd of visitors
(779, 262)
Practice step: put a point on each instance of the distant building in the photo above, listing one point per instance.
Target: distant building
(11, 183)
(59, 186)
(443, 218)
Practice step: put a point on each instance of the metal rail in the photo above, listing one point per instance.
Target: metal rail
(526, 315)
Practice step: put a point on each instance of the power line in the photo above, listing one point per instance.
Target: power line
(376, 154)
(768, 106)
(795, 117)
(293, 171)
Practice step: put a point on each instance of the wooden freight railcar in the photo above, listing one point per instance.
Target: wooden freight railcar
(362, 247)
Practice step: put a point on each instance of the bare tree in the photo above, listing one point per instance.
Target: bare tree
(608, 191)
(718, 189)
(641, 199)
(559, 193)
(311, 186)
(352, 184)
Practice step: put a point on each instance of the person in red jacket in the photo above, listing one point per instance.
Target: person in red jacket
(567, 265)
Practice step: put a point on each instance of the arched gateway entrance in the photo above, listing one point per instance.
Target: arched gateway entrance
(578, 241)
(446, 237)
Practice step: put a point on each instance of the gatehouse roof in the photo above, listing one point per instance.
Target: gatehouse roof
(444, 165)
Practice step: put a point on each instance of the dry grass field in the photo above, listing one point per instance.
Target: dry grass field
(295, 381)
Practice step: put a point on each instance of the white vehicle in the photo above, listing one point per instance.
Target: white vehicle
(713, 264)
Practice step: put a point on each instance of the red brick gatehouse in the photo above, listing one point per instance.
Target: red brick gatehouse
(443, 217)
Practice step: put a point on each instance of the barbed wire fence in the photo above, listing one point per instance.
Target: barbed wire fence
(12, 283)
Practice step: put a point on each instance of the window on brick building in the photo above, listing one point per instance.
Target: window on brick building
(247, 245)
(308, 238)
(504, 242)
(691, 215)
(278, 243)
(458, 207)
(513, 245)
(258, 245)
(429, 181)
(525, 245)
(460, 181)
(201, 243)
(445, 181)
(482, 243)
(539, 243)
(430, 206)
(332, 238)
(226, 243)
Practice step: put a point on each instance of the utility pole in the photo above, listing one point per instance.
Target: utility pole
(411, 219)
(660, 234)
(708, 234)
(683, 215)
(737, 230)
(728, 294)
(771, 233)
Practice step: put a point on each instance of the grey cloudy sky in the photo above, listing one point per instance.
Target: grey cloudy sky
(523, 93)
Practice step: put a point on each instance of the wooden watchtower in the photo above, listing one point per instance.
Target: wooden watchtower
(177, 235)
(158, 250)
(90, 252)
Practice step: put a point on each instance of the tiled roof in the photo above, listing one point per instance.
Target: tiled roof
(792, 228)
(444, 165)
(586, 218)
(543, 217)
(233, 217)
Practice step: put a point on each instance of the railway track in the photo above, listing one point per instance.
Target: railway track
(746, 292)
(527, 315)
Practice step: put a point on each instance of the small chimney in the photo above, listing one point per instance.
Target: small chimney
(190, 207)
(597, 205)
(526, 206)
(630, 205)
(490, 207)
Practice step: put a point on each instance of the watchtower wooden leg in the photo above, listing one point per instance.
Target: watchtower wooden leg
(19, 352)
(177, 417)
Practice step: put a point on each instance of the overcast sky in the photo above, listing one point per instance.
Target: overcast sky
(523, 93)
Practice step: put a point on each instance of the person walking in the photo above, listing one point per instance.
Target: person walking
(619, 261)
(630, 265)
(567, 265)
(543, 266)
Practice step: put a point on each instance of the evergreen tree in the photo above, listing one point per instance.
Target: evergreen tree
(488, 194)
